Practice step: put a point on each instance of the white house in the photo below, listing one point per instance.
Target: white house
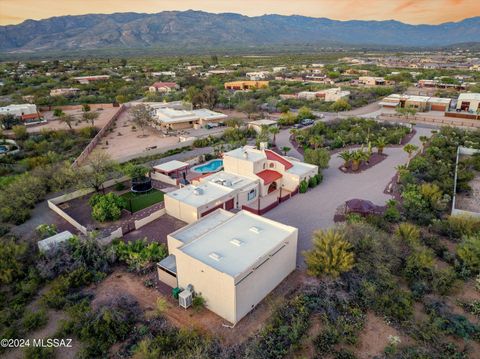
(176, 119)
(468, 101)
(232, 260)
(163, 87)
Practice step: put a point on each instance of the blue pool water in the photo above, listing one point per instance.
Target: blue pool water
(3, 149)
(211, 166)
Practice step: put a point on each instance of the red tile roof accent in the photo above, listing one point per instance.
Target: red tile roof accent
(269, 176)
(272, 156)
(164, 84)
(30, 116)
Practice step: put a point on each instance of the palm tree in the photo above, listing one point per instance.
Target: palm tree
(67, 119)
(410, 149)
(380, 144)
(274, 130)
(285, 150)
(331, 254)
(357, 158)
(347, 157)
(423, 140)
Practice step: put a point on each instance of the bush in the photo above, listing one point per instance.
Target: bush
(39, 352)
(331, 254)
(107, 207)
(468, 254)
(303, 187)
(119, 186)
(46, 230)
(198, 302)
(312, 182)
(139, 255)
(34, 320)
(319, 157)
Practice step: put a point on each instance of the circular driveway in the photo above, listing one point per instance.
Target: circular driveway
(316, 208)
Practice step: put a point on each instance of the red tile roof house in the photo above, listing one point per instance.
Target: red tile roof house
(163, 87)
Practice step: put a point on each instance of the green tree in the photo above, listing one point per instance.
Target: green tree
(210, 96)
(319, 157)
(12, 259)
(107, 207)
(410, 149)
(331, 254)
(316, 141)
(68, 119)
(90, 117)
(285, 150)
(287, 119)
(96, 170)
(346, 156)
(141, 116)
(274, 130)
(380, 144)
(341, 105)
(20, 132)
(304, 113)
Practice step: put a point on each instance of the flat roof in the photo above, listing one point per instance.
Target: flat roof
(264, 122)
(300, 168)
(171, 166)
(169, 263)
(237, 244)
(469, 96)
(207, 114)
(252, 153)
(229, 179)
(440, 100)
(205, 193)
(50, 242)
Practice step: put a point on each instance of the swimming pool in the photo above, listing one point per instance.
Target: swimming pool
(3, 149)
(210, 166)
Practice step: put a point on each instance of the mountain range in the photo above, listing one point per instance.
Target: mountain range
(184, 30)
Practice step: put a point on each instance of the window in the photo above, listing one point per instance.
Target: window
(252, 194)
(272, 165)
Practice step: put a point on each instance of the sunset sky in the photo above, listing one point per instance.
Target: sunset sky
(409, 11)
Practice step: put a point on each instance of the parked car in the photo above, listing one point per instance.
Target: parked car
(297, 125)
(307, 122)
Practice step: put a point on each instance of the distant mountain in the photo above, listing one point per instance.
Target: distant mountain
(183, 30)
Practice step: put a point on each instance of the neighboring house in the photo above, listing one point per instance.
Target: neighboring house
(371, 81)
(232, 260)
(333, 94)
(88, 79)
(257, 75)
(163, 87)
(177, 119)
(245, 85)
(469, 101)
(257, 125)
(421, 103)
(164, 73)
(248, 175)
(64, 91)
(439, 84)
(171, 172)
(26, 112)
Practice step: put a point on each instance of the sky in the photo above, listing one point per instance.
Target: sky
(408, 11)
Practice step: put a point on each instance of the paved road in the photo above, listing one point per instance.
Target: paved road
(283, 140)
(316, 208)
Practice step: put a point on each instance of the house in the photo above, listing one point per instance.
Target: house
(164, 73)
(26, 112)
(70, 91)
(468, 101)
(171, 172)
(371, 81)
(218, 190)
(163, 87)
(249, 176)
(245, 85)
(87, 79)
(257, 125)
(178, 119)
(274, 171)
(439, 84)
(257, 75)
(333, 94)
(421, 103)
(232, 260)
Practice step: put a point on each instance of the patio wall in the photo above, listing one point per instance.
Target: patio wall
(152, 217)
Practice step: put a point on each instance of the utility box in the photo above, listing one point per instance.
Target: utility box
(175, 292)
(185, 298)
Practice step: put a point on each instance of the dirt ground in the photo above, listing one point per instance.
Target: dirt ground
(374, 337)
(122, 281)
(53, 124)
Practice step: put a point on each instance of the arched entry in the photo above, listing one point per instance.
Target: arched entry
(272, 187)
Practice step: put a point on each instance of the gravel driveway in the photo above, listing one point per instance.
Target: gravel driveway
(316, 208)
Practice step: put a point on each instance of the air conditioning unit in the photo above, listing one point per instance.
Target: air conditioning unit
(185, 298)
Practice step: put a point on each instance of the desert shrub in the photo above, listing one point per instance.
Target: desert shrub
(119, 186)
(77, 252)
(107, 207)
(39, 352)
(468, 254)
(46, 230)
(452, 324)
(455, 227)
(331, 254)
(392, 214)
(12, 260)
(344, 354)
(198, 302)
(473, 307)
(303, 187)
(319, 157)
(312, 182)
(139, 255)
(34, 320)
(98, 329)
(326, 340)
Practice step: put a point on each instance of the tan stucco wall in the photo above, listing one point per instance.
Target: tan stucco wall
(180, 210)
(215, 287)
(265, 278)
